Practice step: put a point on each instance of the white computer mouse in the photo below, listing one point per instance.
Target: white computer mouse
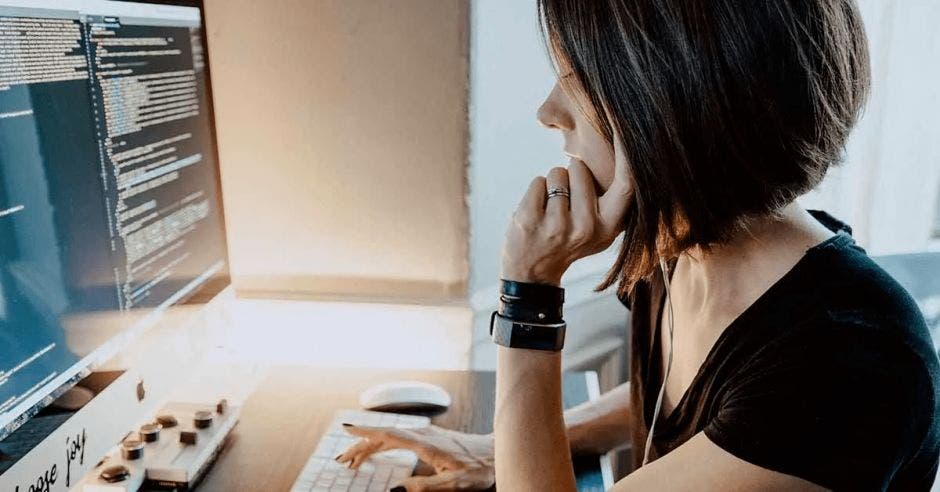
(405, 396)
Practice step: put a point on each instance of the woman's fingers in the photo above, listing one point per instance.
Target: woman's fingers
(532, 207)
(583, 203)
(385, 434)
(471, 479)
(612, 206)
(359, 452)
(377, 439)
(374, 440)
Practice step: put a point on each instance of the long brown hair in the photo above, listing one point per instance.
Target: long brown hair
(726, 109)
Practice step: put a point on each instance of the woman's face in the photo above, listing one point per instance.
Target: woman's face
(582, 140)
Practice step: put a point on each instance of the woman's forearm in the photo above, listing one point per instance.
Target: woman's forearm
(532, 451)
(601, 425)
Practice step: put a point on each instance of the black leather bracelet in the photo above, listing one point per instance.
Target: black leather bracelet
(532, 293)
(529, 313)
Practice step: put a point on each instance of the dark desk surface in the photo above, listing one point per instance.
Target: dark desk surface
(283, 419)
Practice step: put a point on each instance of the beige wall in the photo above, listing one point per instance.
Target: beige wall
(342, 130)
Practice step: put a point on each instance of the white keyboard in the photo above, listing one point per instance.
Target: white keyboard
(379, 473)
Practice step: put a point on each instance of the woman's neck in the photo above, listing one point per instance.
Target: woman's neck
(729, 277)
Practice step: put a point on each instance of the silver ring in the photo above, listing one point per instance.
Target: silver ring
(553, 192)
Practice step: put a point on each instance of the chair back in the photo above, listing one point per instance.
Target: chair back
(919, 273)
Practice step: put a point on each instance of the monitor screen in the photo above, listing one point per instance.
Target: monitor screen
(110, 207)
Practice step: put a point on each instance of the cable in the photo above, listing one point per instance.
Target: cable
(662, 390)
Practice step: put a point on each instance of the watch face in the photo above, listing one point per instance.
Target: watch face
(509, 333)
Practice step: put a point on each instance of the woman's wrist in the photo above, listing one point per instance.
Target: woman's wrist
(532, 277)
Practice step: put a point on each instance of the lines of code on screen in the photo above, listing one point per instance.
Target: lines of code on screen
(108, 186)
(36, 50)
(148, 99)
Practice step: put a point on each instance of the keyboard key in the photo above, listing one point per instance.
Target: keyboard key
(382, 472)
(326, 447)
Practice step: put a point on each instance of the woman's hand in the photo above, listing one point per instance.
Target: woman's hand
(547, 235)
(460, 461)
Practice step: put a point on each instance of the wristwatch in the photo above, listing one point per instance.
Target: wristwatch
(517, 334)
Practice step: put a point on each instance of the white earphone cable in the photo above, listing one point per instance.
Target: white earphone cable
(664, 269)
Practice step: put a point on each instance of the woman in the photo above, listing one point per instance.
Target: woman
(769, 352)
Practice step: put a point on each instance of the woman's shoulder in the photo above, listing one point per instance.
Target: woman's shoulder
(832, 394)
(855, 343)
(842, 286)
(841, 347)
(839, 295)
(859, 332)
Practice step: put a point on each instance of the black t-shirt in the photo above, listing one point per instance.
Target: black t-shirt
(829, 376)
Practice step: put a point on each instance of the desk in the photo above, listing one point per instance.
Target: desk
(283, 419)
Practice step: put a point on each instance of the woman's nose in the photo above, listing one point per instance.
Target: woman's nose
(553, 113)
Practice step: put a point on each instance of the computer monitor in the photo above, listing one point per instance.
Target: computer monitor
(110, 203)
